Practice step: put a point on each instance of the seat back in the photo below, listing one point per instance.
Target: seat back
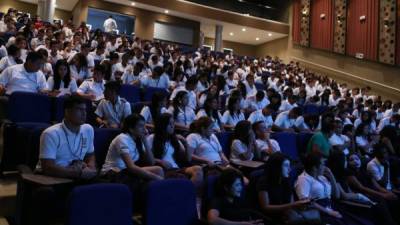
(208, 193)
(287, 142)
(29, 107)
(102, 140)
(171, 201)
(58, 109)
(130, 93)
(225, 139)
(302, 142)
(311, 109)
(100, 204)
(149, 91)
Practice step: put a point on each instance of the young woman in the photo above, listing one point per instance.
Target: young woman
(156, 108)
(233, 115)
(133, 76)
(169, 149)
(227, 208)
(79, 68)
(129, 150)
(366, 118)
(182, 113)
(210, 110)
(61, 83)
(204, 144)
(363, 144)
(157, 79)
(244, 145)
(263, 140)
(274, 190)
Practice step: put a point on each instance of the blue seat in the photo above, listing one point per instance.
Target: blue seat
(149, 91)
(58, 109)
(288, 143)
(208, 193)
(102, 141)
(100, 204)
(171, 201)
(311, 109)
(225, 139)
(29, 107)
(260, 86)
(21, 144)
(302, 141)
(138, 106)
(130, 93)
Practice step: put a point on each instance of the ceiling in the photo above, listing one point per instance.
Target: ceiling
(60, 4)
(231, 32)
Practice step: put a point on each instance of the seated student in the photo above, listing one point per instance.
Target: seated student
(155, 109)
(212, 91)
(79, 68)
(47, 68)
(189, 87)
(66, 148)
(307, 123)
(204, 144)
(264, 115)
(233, 114)
(275, 193)
(169, 149)
(259, 102)
(61, 83)
(119, 68)
(228, 207)
(182, 113)
(210, 110)
(263, 140)
(393, 120)
(93, 88)
(54, 54)
(319, 142)
(362, 140)
(157, 79)
(338, 140)
(98, 55)
(134, 75)
(289, 103)
(285, 121)
(112, 110)
(129, 150)
(379, 170)
(25, 77)
(378, 212)
(244, 145)
(366, 118)
(251, 89)
(12, 58)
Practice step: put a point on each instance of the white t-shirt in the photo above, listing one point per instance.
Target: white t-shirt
(362, 142)
(238, 148)
(161, 82)
(191, 95)
(16, 78)
(286, 106)
(185, 116)
(340, 139)
(81, 75)
(283, 120)
(7, 62)
(91, 87)
(262, 145)
(168, 151)
(110, 25)
(377, 170)
(63, 146)
(259, 116)
(113, 114)
(206, 148)
(202, 113)
(72, 86)
(146, 113)
(307, 186)
(228, 119)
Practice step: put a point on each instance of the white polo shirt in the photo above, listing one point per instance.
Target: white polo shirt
(286, 106)
(377, 170)
(168, 151)
(113, 114)
(262, 145)
(340, 139)
(185, 116)
(7, 62)
(283, 120)
(146, 113)
(72, 86)
(259, 116)
(228, 119)
(161, 82)
(191, 95)
(208, 148)
(16, 78)
(91, 87)
(383, 123)
(81, 75)
(307, 186)
(122, 144)
(238, 148)
(63, 146)
(215, 126)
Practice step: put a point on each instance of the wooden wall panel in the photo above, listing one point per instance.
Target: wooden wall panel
(387, 31)
(305, 23)
(321, 35)
(362, 36)
(340, 22)
(398, 33)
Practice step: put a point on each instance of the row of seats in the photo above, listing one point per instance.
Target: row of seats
(26, 152)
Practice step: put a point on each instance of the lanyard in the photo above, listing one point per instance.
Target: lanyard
(76, 153)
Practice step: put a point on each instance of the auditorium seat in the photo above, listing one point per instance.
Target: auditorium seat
(149, 91)
(208, 193)
(225, 139)
(58, 110)
(171, 201)
(138, 106)
(302, 141)
(100, 204)
(311, 109)
(102, 141)
(287, 142)
(130, 93)
(29, 107)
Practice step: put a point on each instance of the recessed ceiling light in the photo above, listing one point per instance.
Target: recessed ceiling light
(243, 29)
(269, 34)
(166, 11)
(268, 7)
(231, 33)
(240, 1)
(257, 38)
(132, 3)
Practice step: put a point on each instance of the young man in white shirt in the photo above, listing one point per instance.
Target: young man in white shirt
(112, 110)
(190, 86)
(110, 25)
(93, 88)
(263, 140)
(264, 115)
(338, 140)
(394, 121)
(66, 148)
(379, 169)
(285, 121)
(288, 104)
(12, 58)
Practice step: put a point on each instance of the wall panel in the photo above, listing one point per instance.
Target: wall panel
(387, 31)
(321, 31)
(340, 20)
(305, 23)
(296, 20)
(398, 33)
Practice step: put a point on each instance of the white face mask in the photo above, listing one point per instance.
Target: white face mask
(285, 168)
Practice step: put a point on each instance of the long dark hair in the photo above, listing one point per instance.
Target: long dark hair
(57, 77)
(177, 102)
(161, 136)
(138, 68)
(273, 169)
(212, 113)
(336, 162)
(231, 105)
(155, 105)
(242, 130)
(226, 180)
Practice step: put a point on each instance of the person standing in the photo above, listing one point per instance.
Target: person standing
(110, 25)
